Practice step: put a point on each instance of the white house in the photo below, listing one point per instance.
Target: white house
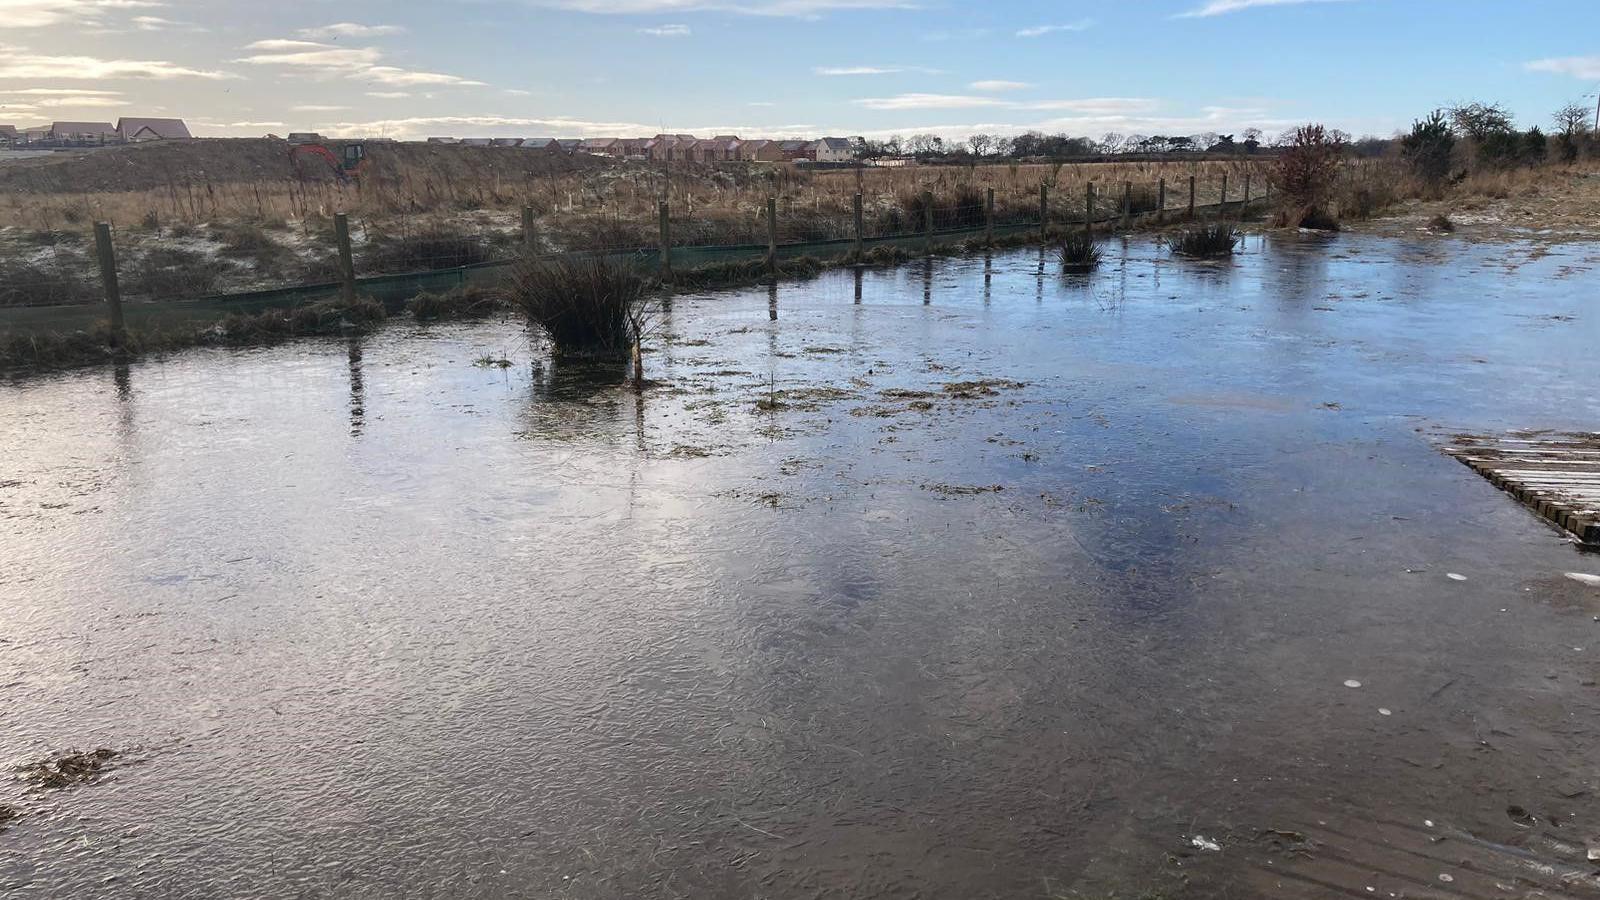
(834, 150)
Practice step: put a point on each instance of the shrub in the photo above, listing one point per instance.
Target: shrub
(606, 233)
(245, 241)
(587, 307)
(1209, 241)
(24, 283)
(1079, 253)
(1304, 176)
(1535, 147)
(1428, 148)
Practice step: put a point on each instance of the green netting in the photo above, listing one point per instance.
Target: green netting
(395, 290)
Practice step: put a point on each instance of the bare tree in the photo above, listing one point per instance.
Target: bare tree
(1572, 119)
(981, 144)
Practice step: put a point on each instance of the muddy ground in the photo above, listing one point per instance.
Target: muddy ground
(966, 580)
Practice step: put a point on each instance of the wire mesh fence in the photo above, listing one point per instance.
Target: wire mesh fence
(196, 270)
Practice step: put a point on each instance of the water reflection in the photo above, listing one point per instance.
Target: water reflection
(988, 277)
(358, 392)
(858, 284)
(927, 280)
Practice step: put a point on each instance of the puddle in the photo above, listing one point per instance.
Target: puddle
(994, 582)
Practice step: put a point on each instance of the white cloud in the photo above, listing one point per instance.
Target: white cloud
(317, 107)
(929, 101)
(1584, 67)
(89, 68)
(1042, 30)
(521, 126)
(41, 13)
(518, 92)
(800, 8)
(1223, 7)
(353, 62)
(847, 71)
(389, 95)
(996, 85)
(667, 31)
(349, 29)
(761, 103)
(62, 92)
(1097, 106)
(80, 102)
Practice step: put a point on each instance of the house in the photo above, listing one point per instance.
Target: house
(601, 146)
(137, 131)
(83, 132)
(789, 151)
(506, 142)
(834, 150)
(635, 148)
(439, 140)
(543, 143)
(9, 135)
(760, 151)
(569, 145)
(477, 142)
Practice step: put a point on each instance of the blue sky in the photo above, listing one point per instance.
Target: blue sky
(789, 67)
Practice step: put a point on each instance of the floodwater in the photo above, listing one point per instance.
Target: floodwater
(812, 617)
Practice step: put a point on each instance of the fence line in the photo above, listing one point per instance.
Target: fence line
(930, 227)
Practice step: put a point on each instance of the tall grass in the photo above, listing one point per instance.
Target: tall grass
(1079, 254)
(1205, 242)
(588, 308)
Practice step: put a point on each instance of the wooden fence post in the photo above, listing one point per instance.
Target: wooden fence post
(347, 260)
(1191, 197)
(108, 277)
(927, 221)
(1088, 208)
(664, 215)
(1044, 209)
(1127, 204)
(772, 235)
(1161, 201)
(530, 239)
(859, 218)
(988, 218)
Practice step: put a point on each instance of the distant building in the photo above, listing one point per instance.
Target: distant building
(304, 137)
(789, 151)
(9, 135)
(834, 150)
(544, 143)
(569, 145)
(507, 142)
(443, 140)
(760, 151)
(477, 142)
(83, 132)
(601, 146)
(137, 131)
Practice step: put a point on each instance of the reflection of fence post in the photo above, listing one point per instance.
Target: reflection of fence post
(1044, 209)
(1161, 201)
(530, 240)
(927, 221)
(108, 276)
(1088, 208)
(772, 235)
(347, 260)
(988, 218)
(1191, 198)
(1127, 204)
(664, 214)
(858, 225)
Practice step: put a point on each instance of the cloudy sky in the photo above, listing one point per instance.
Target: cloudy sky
(788, 67)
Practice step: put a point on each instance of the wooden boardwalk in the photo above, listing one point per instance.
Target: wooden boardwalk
(1557, 475)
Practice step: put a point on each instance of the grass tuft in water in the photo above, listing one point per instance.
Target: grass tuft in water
(588, 307)
(1205, 242)
(1079, 254)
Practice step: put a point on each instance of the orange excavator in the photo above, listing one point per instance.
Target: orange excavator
(347, 165)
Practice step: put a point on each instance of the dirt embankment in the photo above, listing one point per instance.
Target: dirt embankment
(141, 167)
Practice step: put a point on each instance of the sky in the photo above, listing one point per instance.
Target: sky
(789, 68)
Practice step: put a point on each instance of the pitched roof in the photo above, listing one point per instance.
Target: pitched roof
(837, 143)
(82, 128)
(171, 129)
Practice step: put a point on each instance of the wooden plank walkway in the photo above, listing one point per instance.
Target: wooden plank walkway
(1557, 475)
